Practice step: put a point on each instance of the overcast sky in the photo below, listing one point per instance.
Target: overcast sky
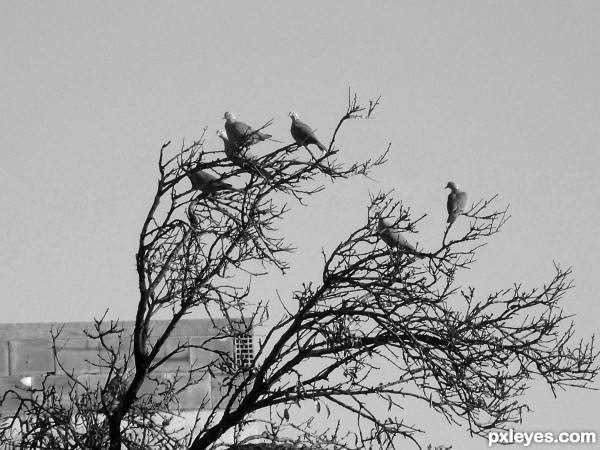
(501, 97)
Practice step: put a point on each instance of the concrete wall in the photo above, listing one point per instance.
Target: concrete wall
(27, 357)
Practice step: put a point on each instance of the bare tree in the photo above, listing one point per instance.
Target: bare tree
(382, 327)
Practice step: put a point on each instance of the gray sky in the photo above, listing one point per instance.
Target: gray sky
(501, 97)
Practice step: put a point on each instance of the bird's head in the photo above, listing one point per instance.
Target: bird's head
(222, 135)
(451, 185)
(228, 116)
(293, 115)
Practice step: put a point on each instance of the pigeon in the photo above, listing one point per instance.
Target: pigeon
(240, 134)
(457, 202)
(245, 159)
(303, 134)
(392, 237)
(209, 184)
(233, 153)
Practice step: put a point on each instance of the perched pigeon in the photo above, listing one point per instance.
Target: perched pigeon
(457, 202)
(244, 159)
(234, 153)
(392, 237)
(303, 134)
(208, 183)
(240, 134)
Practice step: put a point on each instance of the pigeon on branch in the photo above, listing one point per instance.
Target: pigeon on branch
(240, 134)
(244, 159)
(393, 238)
(209, 184)
(304, 134)
(457, 202)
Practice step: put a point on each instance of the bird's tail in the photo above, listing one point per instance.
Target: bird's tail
(322, 147)
(264, 136)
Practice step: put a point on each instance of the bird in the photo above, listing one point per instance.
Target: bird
(209, 184)
(392, 237)
(245, 160)
(240, 134)
(303, 134)
(457, 202)
(232, 152)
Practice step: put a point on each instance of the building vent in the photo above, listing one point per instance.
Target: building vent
(244, 350)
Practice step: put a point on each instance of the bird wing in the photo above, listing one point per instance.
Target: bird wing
(301, 132)
(235, 131)
(461, 202)
(244, 135)
(243, 129)
(200, 179)
(387, 233)
(392, 237)
(451, 206)
(451, 203)
(206, 182)
(457, 202)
